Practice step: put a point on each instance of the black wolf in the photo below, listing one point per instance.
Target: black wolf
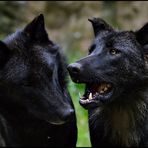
(35, 106)
(116, 95)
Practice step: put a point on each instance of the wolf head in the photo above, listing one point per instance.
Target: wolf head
(33, 75)
(114, 66)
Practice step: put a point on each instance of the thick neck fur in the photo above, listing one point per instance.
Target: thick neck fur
(123, 121)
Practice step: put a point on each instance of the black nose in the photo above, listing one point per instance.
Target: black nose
(74, 68)
(68, 115)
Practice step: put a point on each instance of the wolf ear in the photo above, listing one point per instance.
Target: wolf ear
(36, 29)
(142, 35)
(4, 54)
(142, 38)
(99, 25)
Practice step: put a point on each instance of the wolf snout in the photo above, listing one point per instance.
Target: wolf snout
(74, 68)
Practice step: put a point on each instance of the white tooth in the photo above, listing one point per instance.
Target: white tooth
(90, 96)
(101, 92)
(83, 101)
(105, 89)
(87, 100)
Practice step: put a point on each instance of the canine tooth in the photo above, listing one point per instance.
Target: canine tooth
(90, 96)
(105, 88)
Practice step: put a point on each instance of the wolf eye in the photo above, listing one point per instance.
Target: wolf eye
(114, 51)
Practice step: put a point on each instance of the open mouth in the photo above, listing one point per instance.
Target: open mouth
(96, 94)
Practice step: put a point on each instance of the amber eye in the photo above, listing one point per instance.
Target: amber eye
(113, 51)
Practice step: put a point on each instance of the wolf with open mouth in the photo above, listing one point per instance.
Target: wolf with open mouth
(115, 74)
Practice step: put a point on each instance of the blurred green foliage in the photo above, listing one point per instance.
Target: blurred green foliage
(82, 117)
(81, 113)
(10, 16)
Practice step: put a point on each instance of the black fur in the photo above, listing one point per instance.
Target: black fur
(118, 116)
(35, 106)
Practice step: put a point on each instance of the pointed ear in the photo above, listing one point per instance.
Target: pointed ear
(142, 35)
(99, 25)
(36, 29)
(142, 38)
(4, 54)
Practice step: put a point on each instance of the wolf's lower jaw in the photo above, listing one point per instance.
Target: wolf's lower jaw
(96, 94)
